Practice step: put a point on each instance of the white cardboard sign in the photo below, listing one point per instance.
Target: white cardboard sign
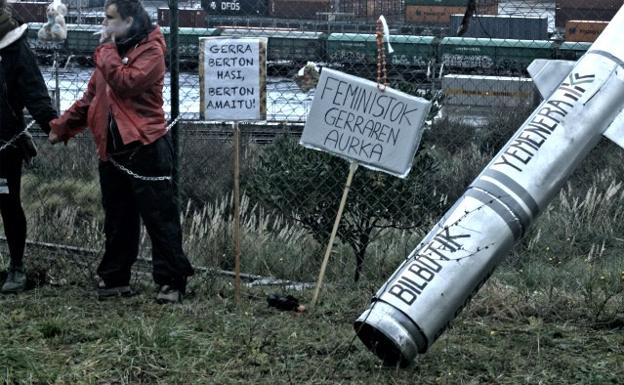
(352, 118)
(233, 78)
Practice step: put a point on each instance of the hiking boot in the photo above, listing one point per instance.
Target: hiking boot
(15, 282)
(168, 294)
(104, 291)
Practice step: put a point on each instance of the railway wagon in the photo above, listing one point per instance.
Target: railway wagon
(188, 40)
(500, 56)
(413, 51)
(571, 50)
(285, 44)
(81, 41)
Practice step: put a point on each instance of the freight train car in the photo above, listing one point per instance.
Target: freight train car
(571, 50)
(285, 44)
(81, 41)
(417, 54)
(499, 56)
(413, 51)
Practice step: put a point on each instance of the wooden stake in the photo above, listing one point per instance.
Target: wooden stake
(343, 201)
(237, 251)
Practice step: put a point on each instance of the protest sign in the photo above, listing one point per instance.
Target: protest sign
(352, 118)
(232, 78)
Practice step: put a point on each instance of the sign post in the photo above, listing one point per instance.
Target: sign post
(377, 128)
(233, 87)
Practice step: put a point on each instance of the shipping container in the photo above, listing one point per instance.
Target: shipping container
(502, 27)
(488, 91)
(372, 9)
(451, 3)
(594, 4)
(440, 15)
(187, 17)
(584, 10)
(562, 15)
(584, 30)
(30, 11)
(236, 7)
(298, 9)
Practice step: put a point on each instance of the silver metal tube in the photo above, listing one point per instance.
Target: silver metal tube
(433, 284)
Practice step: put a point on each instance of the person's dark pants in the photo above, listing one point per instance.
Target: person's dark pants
(13, 216)
(126, 199)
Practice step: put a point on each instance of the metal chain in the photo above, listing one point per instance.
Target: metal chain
(137, 176)
(10, 142)
(382, 75)
(141, 177)
(172, 123)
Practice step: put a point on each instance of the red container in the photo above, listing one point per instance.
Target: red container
(187, 17)
(30, 11)
(298, 9)
(440, 15)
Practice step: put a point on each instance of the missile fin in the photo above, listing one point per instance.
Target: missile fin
(615, 131)
(548, 74)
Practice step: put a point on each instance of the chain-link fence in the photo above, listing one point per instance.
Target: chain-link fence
(290, 195)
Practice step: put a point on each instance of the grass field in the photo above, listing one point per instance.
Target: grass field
(63, 335)
(553, 313)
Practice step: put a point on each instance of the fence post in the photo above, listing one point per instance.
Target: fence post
(174, 68)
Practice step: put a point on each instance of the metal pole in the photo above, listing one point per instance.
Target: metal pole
(174, 68)
(57, 89)
(237, 250)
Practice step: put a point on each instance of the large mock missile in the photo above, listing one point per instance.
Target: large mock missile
(582, 101)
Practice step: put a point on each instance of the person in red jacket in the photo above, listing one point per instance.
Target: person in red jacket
(123, 108)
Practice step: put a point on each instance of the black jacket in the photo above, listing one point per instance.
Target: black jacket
(22, 85)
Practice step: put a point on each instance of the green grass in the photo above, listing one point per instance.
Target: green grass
(63, 335)
(553, 313)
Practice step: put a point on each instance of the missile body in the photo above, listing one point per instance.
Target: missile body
(582, 101)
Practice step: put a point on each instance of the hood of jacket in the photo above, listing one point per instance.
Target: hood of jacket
(10, 29)
(157, 36)
(13, 35)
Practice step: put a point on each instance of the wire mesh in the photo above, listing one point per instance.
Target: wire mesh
(290, 194)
